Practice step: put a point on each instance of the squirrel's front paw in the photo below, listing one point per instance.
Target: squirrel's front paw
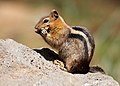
(43, 31)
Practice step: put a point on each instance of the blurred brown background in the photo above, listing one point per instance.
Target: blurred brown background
(101, 17)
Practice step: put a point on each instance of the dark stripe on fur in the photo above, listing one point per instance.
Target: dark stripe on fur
(90, 39)
(78, 36)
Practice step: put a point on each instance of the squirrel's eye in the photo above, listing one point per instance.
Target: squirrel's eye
(46, 20)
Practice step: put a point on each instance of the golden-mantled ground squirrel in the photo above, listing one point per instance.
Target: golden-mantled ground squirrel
(75, 44)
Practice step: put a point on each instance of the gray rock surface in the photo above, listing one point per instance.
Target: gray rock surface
(22, 66)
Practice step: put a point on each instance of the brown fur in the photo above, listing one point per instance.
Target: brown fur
(71, 50)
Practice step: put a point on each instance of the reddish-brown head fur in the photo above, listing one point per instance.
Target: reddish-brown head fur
(51, 21)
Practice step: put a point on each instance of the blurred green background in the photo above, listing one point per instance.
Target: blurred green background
(101, 17)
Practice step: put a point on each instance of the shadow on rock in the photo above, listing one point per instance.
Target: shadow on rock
(47, 53)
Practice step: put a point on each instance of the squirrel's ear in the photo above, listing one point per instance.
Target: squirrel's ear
(54, 14)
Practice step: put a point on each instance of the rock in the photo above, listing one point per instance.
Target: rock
(22, 66)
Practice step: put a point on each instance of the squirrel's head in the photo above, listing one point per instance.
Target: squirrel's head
(49, 22)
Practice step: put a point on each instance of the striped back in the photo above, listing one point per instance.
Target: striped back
(86, 38)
